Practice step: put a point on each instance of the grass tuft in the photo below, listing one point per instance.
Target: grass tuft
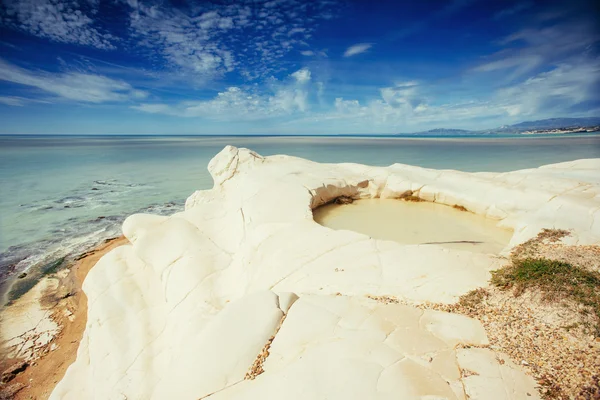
(556, 280)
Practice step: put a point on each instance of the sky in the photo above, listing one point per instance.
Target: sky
(293, 67)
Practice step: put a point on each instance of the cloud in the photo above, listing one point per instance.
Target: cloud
(532, 48)
(89, 88)
(357, 49)
(198, 41)
(302, 75)
(546, 94)
(234, 104)
(396, 105)
(405, 106)
(59, 21)
(379, 115)
(203, 42)
(449, 9)
(517, 8)
(554, 91)
(12, 101)
(402, 95)
(17, 101)
(238, 104)
(307, 53)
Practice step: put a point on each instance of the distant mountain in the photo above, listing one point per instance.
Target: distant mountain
(443, 132)
(551, 123)
(556, 123)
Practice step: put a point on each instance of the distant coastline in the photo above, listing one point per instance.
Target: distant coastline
(541, 128)
(569, 130)
(419, 135)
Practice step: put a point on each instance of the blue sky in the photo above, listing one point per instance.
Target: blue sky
(290, 66)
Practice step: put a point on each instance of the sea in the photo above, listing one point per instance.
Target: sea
(62, 195)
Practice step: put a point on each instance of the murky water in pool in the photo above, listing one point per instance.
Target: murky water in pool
(416, 223)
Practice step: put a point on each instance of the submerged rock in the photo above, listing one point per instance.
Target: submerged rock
(244, 296)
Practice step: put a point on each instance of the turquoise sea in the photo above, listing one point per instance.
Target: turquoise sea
(60, 195)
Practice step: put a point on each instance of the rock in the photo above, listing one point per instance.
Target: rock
(67, 295)
(343, 200)
(244, 277)
(11, 372)
(286, 300)
(9, 391)
(26, 325)
(22, 275)
(359, 349)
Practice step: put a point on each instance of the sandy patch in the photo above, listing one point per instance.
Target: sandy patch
(44, 328)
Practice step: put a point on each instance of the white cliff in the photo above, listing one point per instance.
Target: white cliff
(186, 309)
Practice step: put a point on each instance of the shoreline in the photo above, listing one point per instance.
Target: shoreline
(229, 138)
(42, 355)
(216, 302)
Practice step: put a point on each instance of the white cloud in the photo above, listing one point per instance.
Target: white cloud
(60, 21)
(546, 94)
(516, 9)
(237, 104)
(530, 49)
(401, 95)
(553, 91)
(302, 75)
(294, 31)
(203, 42)
(357, 49)
(185, 42)
(156, 108)
(12, 101)
(546, 70)
(307, 53)
(76, 86)
(234, 104)
(401, 107)
(381, 115)
(347, 106)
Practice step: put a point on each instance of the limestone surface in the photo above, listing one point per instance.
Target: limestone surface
(26, 325)
(245, 279)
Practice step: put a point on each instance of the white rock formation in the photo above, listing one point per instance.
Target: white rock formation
(184, 311)
(26, 326)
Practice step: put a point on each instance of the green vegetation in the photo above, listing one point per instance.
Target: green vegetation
(555, 279)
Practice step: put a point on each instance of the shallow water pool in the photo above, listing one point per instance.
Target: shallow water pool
(416, 223)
